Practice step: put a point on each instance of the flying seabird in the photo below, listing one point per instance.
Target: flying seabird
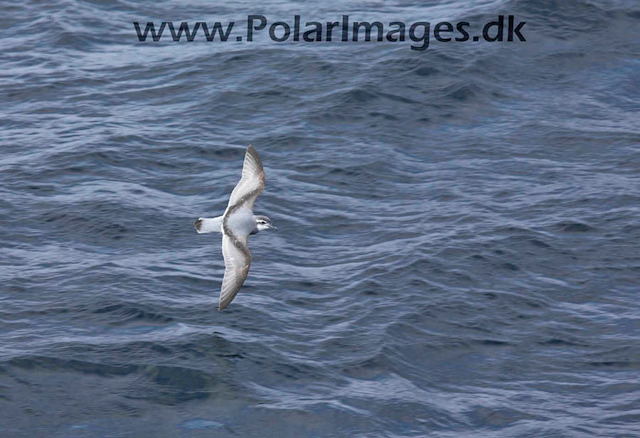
(236, 224)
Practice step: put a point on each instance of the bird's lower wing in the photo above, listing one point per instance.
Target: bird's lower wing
(237, 260)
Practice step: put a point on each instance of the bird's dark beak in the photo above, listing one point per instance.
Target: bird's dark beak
(273, 227)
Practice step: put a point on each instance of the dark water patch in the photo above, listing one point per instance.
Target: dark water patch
(369, 368)
(617, 365)
(462, 93)
(71, 365)
(357, 96)
(557, 342)
(383, 115)
(90, 227)
(574, 227)
(126, 314)
(499, 417)
(425, 71)
(172, 385)
(539, 243)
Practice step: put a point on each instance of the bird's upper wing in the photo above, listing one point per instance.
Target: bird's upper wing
(252, 182)
(237, 260)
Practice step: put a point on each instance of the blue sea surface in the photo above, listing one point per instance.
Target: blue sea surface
(458, 244)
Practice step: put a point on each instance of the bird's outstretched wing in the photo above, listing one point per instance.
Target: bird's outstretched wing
(237, 260)
(251, 184)
(235, 250)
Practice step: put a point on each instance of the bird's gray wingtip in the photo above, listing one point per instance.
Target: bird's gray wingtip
(198, 224)
(253, 153)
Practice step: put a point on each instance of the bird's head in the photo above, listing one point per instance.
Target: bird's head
(263, 223)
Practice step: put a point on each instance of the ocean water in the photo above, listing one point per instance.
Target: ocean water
(458, 252)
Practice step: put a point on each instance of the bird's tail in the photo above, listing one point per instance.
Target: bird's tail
(209, 225)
